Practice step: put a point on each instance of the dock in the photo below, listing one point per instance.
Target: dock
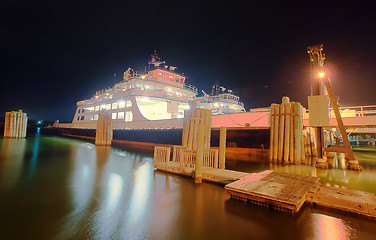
(216, 175)
(288, 192)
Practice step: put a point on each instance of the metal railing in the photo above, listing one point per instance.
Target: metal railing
(189, 86)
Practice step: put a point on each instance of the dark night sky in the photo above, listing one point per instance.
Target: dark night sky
(56, 53)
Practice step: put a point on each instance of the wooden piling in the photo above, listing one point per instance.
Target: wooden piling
(6, 124)
(191, 128)
(199, 152)
(15, 124)
(287, 134)
(184, 141)
(292, 133)
(208, 117)
(297, 141)
(104, 130)
(222, 147)
(272, 116)
(276, 128)
(281, 132)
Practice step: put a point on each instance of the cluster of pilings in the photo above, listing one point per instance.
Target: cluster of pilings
(192, 119)
(196, 137)
(103, 136)
(288, 144)
(195, 151)
(15, 124)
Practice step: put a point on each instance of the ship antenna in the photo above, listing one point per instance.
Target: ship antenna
(155, 60)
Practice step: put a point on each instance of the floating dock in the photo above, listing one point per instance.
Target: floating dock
(288, 192)
(280, 191)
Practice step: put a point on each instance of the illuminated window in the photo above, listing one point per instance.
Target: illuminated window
(149, 88)
(96, 117)
(91, 117)
(140, 86)
(103, 106)
(129, 103)
(120, 115)
(178, 94)
(122, 104)
(159, 89)
(97, 108)
(108, 106)
(90, 109)
(114, 115)
(115, 105)
(128, 116)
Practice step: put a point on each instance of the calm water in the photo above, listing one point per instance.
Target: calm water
(57, 188)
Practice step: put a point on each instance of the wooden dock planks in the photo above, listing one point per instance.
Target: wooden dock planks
(216, 175)
(282, 191)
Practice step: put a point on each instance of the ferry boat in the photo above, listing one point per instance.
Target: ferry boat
(148, 110)
(155, 99)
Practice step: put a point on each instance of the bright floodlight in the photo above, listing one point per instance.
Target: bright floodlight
(321, 74)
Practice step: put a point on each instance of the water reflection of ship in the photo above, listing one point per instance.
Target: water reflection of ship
(102, 179)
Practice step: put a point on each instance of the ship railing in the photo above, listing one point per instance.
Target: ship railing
(189, 86)
(161, 156)
(105, 90)
(210, 158)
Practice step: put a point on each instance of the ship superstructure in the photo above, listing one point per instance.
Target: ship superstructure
(159, 94)
(222, 101)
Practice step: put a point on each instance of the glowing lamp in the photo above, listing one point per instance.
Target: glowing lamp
(160, 74)
(321, 75)
(143, 77)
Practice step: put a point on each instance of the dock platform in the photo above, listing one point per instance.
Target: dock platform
(221, 176)
(280, 191)
(288, 192)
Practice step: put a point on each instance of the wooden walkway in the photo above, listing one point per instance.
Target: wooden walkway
(216, 175)
(288, 192)
(280, 191)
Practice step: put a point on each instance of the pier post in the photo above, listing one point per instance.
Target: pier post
(186, 122)
(271, 147)
(287, 134)
(200, 152)
(103, 135)
(292, 132)
(298, 133)
(222, 147)
(281, 132)
(276, 127)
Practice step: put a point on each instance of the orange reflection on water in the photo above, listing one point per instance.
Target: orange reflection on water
(327, 227)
